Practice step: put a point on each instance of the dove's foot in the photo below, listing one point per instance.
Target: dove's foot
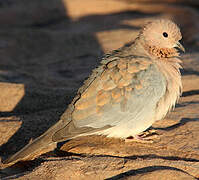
(144, 137)
(151, 133)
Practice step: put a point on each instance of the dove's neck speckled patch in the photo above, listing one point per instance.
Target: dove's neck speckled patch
(161, 52)
(153, 51)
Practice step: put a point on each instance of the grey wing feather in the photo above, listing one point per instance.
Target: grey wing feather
(148, 86)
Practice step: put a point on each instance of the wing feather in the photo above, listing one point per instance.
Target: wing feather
(112, 88)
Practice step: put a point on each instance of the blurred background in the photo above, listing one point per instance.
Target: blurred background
(47, 49)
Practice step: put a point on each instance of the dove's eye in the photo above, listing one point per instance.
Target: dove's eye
(165, 34)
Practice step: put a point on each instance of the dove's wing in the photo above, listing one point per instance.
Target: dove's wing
(123, 90)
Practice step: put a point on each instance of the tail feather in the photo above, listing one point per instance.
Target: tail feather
(61, 131)
(35, 146)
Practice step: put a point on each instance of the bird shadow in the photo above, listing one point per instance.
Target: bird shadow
(189, 71)
(26, 167)
(142, 171)
(191, 93)
(182, 122)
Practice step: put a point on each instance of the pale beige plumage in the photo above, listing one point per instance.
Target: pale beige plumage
(132, 88)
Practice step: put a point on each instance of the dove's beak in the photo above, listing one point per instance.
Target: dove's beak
(180, 46)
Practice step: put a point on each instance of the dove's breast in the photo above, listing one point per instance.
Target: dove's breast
(171, 72)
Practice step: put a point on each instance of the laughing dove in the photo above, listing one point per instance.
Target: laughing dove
(132, 88)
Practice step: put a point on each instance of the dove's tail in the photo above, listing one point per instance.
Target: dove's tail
(61, 131)
(35, 146)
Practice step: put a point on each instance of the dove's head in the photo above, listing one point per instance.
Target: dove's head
(162, 34)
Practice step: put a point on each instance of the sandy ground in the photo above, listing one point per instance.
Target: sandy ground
(48, 48)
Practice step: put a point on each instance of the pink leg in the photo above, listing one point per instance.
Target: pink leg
(144, 137)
